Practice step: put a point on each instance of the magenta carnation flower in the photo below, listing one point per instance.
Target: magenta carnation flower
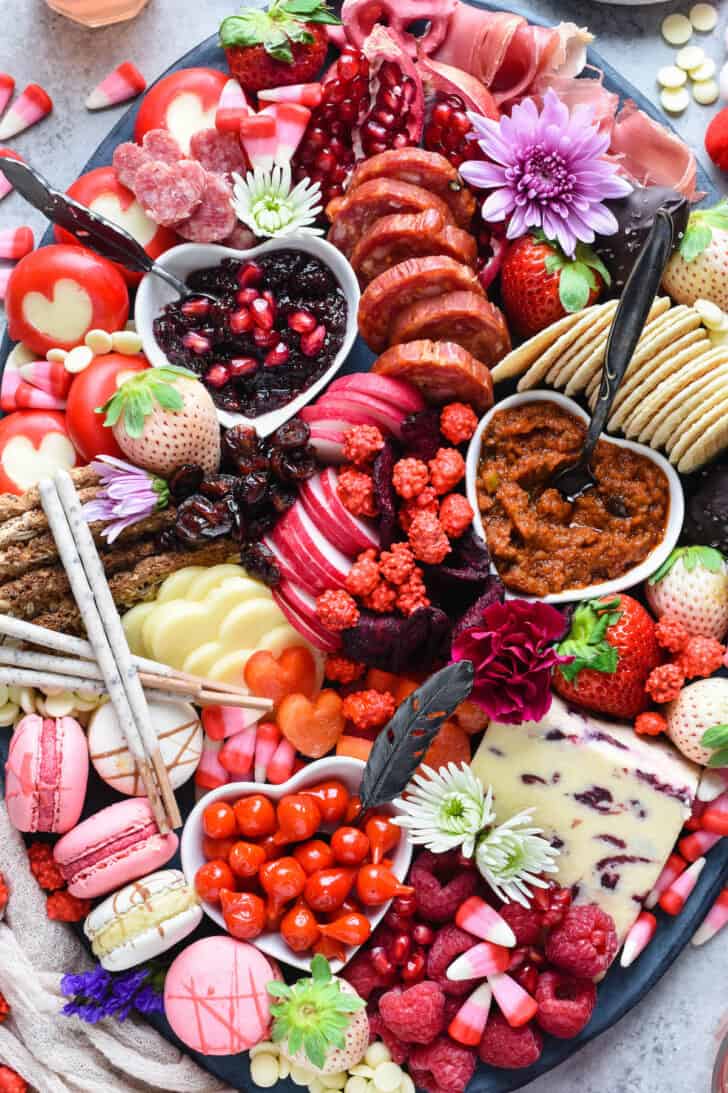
(547, 170)
(513, 654)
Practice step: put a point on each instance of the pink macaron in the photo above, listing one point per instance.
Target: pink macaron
(112, 848)
(46, 774)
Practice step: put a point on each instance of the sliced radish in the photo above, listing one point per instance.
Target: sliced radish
(317, 507)
(318, 637)
(351, 404)
(343, 418)
(327, 442)
(398, 393)
(364, 531)
(288, 571)
(289, 544)
(329, 559)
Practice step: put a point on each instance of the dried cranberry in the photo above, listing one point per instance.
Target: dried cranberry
(292, 434)
(294, 466)
(259, 562)
(217, 486)
(199, 519)
(251, 488)
(185, 481)
(282, 497)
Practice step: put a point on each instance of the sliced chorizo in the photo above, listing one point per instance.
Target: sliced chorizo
(393, 238)
(463, 317)
(420, 168)
(160, 144)
(404, 284)
(356, 212)
(127, 161)
(443, 372)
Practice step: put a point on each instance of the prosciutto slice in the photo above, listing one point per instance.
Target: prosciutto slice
(651, 154)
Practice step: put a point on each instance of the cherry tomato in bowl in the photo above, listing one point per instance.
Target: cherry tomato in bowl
(92, 388)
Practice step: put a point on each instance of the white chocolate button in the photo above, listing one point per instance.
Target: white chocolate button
(407, 1086)
(98, 341)
(705, 71)
(718, 338)
(265, 1047)
(4, 694)
(8, 713)
(78, 359)
(674, 102)
(361, 1070)
(713, 317)
(671, 77)
(703, 17)
(387, 1077)
(377, 1053)
(60, 705)
(705, 92)
(27, 699)
(264, 1071)
(690, 57)
(676, 29)
(126, 342)
(315, 1085)
(334, 1081)
(56, 356)
(284, 1065)
(300, 1074)
(356, 1085)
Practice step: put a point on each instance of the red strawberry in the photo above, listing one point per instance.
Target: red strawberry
(614, 648)
(285, 44)
(540, 284)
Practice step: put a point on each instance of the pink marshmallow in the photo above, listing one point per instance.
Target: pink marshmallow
(478, 918)
(30, 107)
(470, 1020)
(483, 959)
(259, 139)
(638, 938)
(7, 86)
(236, 753)
(124, 83)
(15, 243)
(515, 1004)
(280, 767)
(48, 376)
(307, 94)
(291, 121)
(266, 743)
(714, 921)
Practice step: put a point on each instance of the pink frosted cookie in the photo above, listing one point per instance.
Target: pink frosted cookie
(111, 848)
(46, 774)
(215, 996)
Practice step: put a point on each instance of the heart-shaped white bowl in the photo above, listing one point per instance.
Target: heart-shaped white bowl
(633, 576)
(348, 771)
(154, 294)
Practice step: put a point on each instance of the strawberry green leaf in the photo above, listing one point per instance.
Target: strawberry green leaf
(715, 737)
(717, 217)
(134, 417)
(719, 758)
(699, 232)
(587, 641)
(691, 557)
(575, 284)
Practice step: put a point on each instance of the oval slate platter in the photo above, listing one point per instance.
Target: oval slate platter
(622, 988)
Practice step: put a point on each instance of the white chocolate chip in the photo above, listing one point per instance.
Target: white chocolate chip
(705, 71)
(713, 317)
(4, 694)
(690, 57)
(98, 341)
(264, 1071)
(334, 1081)
(78, 359)
(387, 1077)
(705, 92)
(56, 356)
(301, 1075)
(672, 77)
(265, 1047)
(674, 102)
(676, 29)
(315, 1085)
(356, 1085)
(407, 1086)
(377, 1053)
(27, 699)
(284, 1066)
(127, 342)
(703, 17)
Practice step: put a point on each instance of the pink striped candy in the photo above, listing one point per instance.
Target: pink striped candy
(674, 899)
(267, 741)
(672, 869)
(478, 918)
(280, 768)
(232, 108)
(7, 86)
(483, 959)
(210, 773)
(32, 105)
(291, 121)
(5, 184)
(236, 753)
(515, 1004)
(48, 376)
(16, 242)
(4, 278)
(307, 94)
(258, 137)
(31, 398)
(638, 938)
(715, 816)
(9, 384)
(470, 1020)
(714, 921)
(124, 83)
(693, 846)
(222, 721)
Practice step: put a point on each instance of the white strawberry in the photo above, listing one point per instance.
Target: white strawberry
(164, 417)
(700, 706)
(692, 586)
(699, 267)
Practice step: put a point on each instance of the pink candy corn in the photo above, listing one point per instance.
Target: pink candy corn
(715, 816)
(32, 105)
(5, 184)
(9, 384)
(675, 897)
(515, 1004)
(291, 121)
(638, 938)
(48, 376)
(478, 918)
(714, 921)
(124, 83)
(468, 1023)
(266, 743)
(232, 108)
(236, 753)
(16, 242)
(280, 768)
(31, 398)
(673, 867)
(7, 86)
(210, 773)
(483, 959)
(698, 843)
(4, 278)
(258, 137)
(306, 94)
(222, 721)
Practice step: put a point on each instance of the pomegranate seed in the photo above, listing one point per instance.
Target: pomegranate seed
(390, 100)
(422, 934)
(337, 91)
(316, 138)
(268, 295)
(414, 968)
(246, 296)
(240, 321)
(405, 906)
(338, 174)
(265, 339)
(303, 322)
(262, 314)
(399, 949)
(250, 274)
(348, 66)
(395, 921)
(217, 376)
(198, 343)
(311, 343)
(196, 309)
(325, 162)
(408, 91)
(400, 140)
(527, 977)
(441, 113)
(242, 366)
(279, 354)
(461, 122)
(385, 118)
(348, 110)
(381, 961)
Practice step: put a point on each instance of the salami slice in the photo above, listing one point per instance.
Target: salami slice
(214, 219)
(127, 161)
(160, 144)
(169, 194)
(443, 372)
(356, 213)
(393, 238)
(218, 152)
(240, 238)
(418, 167)
(466, 318)
(404, 284)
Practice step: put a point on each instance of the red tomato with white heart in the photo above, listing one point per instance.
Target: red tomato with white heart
(91, 388)
(183, 102)
(58, 293)
(101, 191)
(33, 444)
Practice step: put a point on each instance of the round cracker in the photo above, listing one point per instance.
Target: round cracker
(659, 314)
(706, 447)
(588, 375)
(703, 393)
(521, 359)
(664, 365)
(541, 366)
(695, 423)
(581, 347)
(682, 383)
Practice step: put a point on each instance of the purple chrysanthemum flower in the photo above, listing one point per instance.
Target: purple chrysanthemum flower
(128, 495)
(547, 170)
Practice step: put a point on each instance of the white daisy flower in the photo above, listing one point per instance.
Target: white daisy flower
(265, 202)
(511, 857)
(445, 809)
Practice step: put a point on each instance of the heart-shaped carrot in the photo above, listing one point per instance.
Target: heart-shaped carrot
(312, 727)
(293, 672)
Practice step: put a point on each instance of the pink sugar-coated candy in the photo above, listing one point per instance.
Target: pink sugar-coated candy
(5, 184)
(696, 844)
(714, 921)
(46, 774)
(28, 397)
(478, 918)
(48, 376)
(266, 743)
(232, 108)
(638, 938)
(483, 959)
(674, 899)
(236, 753)
(674, 866)
(715, 816)
(470, 1020)
(222, 721)
(515, 1004)
(30, 107)
(210, 773)
(15, 243)
(306, 94)
(124, 83)
(258, 137)
(282, 763)
(4, 278)
(7, 86)
(291, 121)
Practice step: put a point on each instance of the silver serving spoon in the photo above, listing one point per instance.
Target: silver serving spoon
(91, 229)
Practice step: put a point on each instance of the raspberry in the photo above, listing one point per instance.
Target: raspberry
(455, 515)
(11, 1082)
(526, 922)
(458, 422)
(361, 444)
(369, 709)
(364, 977)
(363, 577)
(412, 594)
(336, 609)
(397, 1048)
(426, 502)
(442, 1066)
(382, 599)
(651, 723)
(449, 943)
(509, 1048)
(63, 907)
(342, 670)
(701, 657)
(665, 682)
(565, 1003)
(554, 902)
(440, 885)
(585, 942)
(446, 470)
(4, 1008)
(671, 633)
(429, 542)
(415, 1015)
(44, 868)
(409, 477)
(397, 564)
(356, 492)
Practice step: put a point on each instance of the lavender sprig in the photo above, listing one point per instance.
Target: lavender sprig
(97, 994)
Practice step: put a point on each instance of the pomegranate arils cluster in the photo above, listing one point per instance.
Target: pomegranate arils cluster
(447, 130)
(385, 126)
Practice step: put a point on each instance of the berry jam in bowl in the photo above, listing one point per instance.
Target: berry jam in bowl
(284, 324)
